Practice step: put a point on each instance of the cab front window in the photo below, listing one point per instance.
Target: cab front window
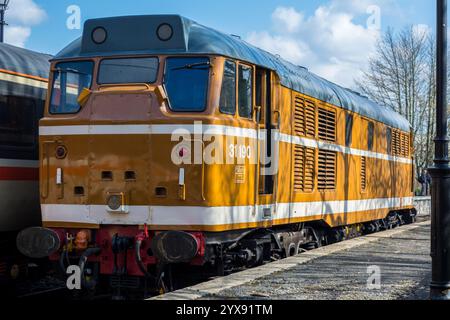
(128, 70)
(69, 80)
(186, 81)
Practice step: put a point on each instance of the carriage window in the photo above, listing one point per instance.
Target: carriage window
(130, 70)
(70, 78)
(18, 122)
(371, 131)
(245, 92)
(228, 94)
(348, 130)
(186, 81)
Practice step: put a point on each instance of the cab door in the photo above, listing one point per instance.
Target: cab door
(267, 164)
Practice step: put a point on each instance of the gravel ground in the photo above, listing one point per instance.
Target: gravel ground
(404, 262)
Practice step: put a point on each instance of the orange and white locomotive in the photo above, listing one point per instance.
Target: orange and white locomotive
(165, 142)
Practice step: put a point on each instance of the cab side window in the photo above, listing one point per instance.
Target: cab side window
(245, 85)
(371, 133)
(348, 130)
(228, 94)
(389, 140)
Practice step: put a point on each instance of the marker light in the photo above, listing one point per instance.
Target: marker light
(165, 32)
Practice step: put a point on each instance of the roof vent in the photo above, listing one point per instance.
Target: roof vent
(236, 36)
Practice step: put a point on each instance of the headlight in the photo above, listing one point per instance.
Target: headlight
(115, 202)
(165, 32)
(99, 35)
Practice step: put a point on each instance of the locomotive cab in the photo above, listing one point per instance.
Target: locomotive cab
(129, 137)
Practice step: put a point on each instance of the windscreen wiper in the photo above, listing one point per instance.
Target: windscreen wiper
(194, 65)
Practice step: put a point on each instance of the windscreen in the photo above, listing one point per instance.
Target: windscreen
(186, 81)
(130, 70)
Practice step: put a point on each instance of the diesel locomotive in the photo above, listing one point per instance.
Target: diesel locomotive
(167, 143)
(23, 90)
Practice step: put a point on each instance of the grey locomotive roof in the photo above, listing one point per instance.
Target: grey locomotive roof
(27, 62)
(138, 35)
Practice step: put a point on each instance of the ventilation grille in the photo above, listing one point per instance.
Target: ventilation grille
(405, 145)
(327, 170)
(363, 173)
(400, 144)
(396, 143)
(327, 124)
(304, 169)
(305, 117)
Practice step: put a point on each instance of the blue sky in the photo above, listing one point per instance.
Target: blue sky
(292, 28)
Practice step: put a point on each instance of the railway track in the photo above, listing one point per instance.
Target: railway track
(50, 287)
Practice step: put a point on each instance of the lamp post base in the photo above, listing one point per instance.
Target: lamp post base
(440, 292)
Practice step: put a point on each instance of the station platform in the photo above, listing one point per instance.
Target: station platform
(391, 265)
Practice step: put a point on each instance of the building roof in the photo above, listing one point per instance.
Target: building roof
(138, 35)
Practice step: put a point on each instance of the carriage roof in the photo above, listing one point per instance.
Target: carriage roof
(19, 63)
(24, 61)
(138, 35)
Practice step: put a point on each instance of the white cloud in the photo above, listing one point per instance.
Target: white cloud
(25, 12)
(286, 47)
(17, 36)
(287, 19)
(21, 16)
(329, 42)
(336, 41)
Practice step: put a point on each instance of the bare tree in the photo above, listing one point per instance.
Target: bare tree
(401, 75)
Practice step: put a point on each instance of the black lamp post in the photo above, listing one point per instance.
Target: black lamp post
(3, 7)
(440, 220)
